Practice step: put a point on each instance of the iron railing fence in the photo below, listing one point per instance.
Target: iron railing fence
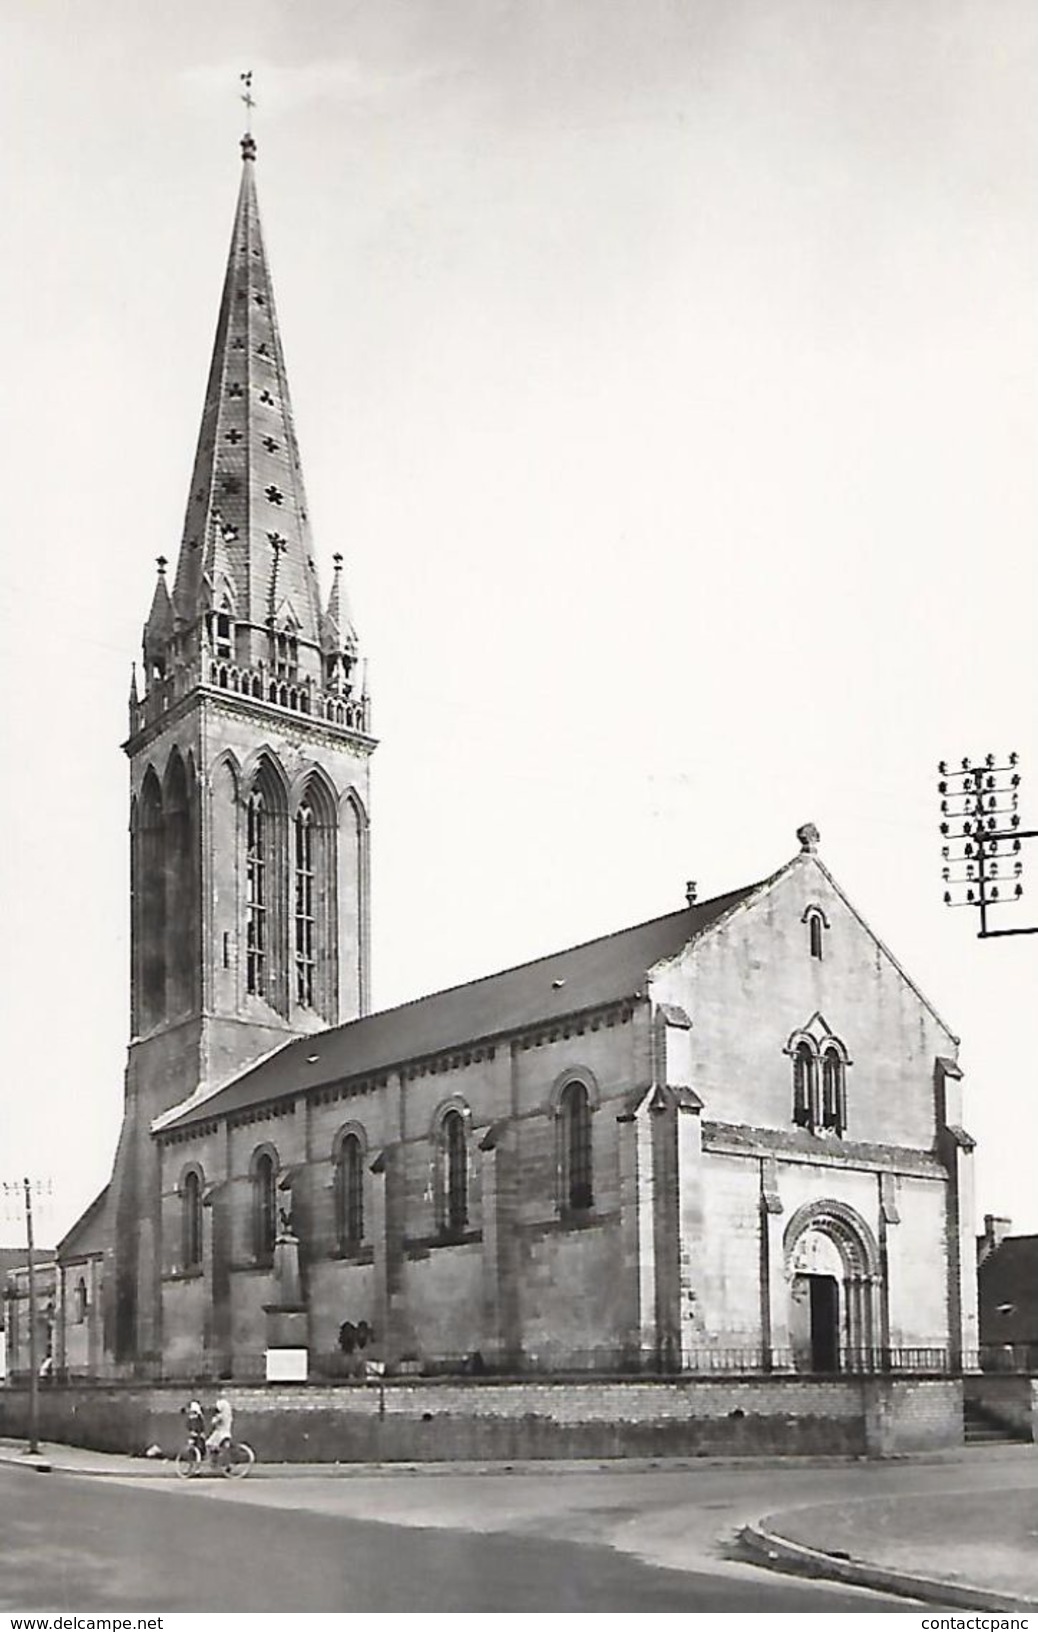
(931, 1360)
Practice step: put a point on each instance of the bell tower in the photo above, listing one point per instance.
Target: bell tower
(249, 745)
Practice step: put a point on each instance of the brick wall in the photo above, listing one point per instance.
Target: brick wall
(912, 1414)
(429, 1420)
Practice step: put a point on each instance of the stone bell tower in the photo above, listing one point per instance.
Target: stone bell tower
(249, 745)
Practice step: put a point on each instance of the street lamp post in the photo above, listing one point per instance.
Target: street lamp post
(983, 840)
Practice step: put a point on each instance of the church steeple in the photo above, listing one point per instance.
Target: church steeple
(249, 754)
(246, 594)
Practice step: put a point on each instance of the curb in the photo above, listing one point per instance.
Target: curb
(773, 1552)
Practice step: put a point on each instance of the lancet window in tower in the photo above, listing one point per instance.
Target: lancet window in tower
(256, 883)
(286, 656)
(304, 906)
(222, 636)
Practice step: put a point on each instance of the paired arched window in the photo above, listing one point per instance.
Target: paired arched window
(291, 891)
(454, 1174)
(349, 1193)
(575, 1135)
(256, 892)
(191, 1218)
(820, 1085)
(264, 1206)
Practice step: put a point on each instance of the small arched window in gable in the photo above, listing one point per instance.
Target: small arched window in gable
(191, 1217)
(349, 1194)
(80, 1302)
(455, 1178)
(805, 1086)
(834, 1090)
(264, 1207)
(816, 922)
(575, 1132)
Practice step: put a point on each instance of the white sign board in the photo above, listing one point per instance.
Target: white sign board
(287, 1365)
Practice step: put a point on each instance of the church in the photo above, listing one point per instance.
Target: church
(729, 1139)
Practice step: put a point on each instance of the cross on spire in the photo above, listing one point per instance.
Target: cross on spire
(248, 99)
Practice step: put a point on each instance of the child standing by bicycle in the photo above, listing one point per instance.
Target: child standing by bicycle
(221, 1426)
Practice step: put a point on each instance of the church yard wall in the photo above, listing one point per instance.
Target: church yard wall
(449, 1419)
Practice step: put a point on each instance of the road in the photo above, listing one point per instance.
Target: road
(69, 1542)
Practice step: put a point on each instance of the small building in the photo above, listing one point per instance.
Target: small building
(1007, 1276)
(14, 1309)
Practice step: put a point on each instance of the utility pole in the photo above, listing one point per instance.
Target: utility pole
(983, 840)
(23, 1191)
(34, 1381)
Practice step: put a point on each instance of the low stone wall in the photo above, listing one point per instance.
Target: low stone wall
(428, 1420)
(912, 1414)
(1007, 1398)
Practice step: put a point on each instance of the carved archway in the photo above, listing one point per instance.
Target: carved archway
(834, 1275)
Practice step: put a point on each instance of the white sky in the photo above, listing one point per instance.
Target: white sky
(668, 374)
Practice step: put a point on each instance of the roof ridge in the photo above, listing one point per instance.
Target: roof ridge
(546, 957)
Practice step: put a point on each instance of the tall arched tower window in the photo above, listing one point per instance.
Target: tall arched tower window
(257, 886)
(182, 946)
(314, 927)
(303, 834)
(150, 916)
(575, 1129)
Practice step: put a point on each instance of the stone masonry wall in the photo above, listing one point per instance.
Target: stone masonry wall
(429, 1420)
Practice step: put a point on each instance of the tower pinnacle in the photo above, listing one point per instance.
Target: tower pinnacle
(246, 592)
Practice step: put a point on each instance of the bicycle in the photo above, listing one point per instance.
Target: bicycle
(233, 1461)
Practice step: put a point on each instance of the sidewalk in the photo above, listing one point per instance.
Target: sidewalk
(970, 1550)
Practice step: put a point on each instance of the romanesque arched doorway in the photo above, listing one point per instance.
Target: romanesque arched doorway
(834, 1289)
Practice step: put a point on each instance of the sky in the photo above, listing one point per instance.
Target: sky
(667, 373)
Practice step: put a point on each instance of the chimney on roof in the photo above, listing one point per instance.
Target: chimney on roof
(691, 891)
(995, 1232)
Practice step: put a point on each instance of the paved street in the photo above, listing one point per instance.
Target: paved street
(78, 1543)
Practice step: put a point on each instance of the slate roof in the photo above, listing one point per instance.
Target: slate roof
(72, 1243)
(16, 1257)
(1008, 1279)
(581, 977)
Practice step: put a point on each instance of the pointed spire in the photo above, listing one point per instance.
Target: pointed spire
(247, 516)
(339, 633)
(246, 588)
(161, 622)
